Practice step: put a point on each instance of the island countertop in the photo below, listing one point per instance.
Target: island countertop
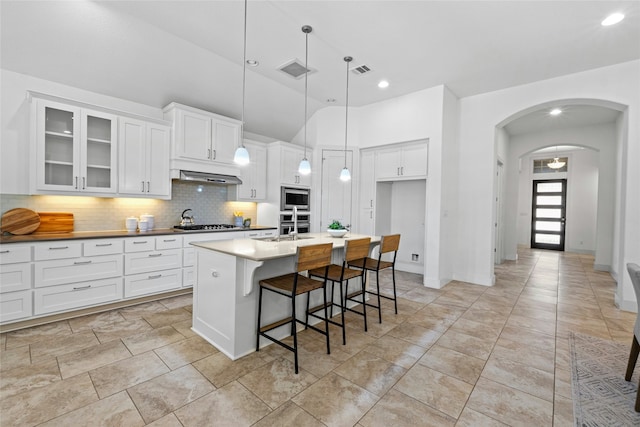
(262, 249)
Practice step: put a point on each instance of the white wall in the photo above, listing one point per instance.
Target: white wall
(480, 114)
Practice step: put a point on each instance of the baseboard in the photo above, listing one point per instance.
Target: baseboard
(435, 283)
(580, 251)
(602, 267)
(476, 280)
(410, 267)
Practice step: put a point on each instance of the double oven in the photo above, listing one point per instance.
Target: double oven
(299, 198)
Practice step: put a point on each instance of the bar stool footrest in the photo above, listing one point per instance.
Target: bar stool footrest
(277, 324)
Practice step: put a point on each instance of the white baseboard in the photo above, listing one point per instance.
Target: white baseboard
(602, 267)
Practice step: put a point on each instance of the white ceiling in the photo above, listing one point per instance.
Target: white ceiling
(572, 116)
(155, 52)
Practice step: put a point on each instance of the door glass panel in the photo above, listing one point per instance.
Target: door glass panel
(98, 152)
(549, 200)
(548, 213)
(549, 187)
(553, 239)
(58, 147)
(547, 225)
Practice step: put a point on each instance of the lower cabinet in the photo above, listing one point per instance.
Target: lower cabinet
(67, 297)
(83, 269)
(152, 265)
(149, 283)
(15, 306)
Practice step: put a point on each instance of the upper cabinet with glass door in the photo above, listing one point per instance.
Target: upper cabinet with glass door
(75, 149)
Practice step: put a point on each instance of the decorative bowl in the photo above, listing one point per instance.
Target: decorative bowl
(336, 233)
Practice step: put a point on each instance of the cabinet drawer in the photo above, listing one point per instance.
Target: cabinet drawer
(149, 283)
(57, 250)
(139, 244)
(189, 257)
(58, 272)
(10, 254)
(68, 297)
(102, 247)
(15, 305)
(15, 277)
(168, 242)
(152, 261)
(188, 277)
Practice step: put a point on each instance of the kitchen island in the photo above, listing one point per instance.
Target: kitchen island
(225, 297)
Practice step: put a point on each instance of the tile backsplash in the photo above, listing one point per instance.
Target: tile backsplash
(208, 203)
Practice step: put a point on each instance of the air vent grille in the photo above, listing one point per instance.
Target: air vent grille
(361, 69)
(295, 68)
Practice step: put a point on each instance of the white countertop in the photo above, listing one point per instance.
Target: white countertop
(261, 250)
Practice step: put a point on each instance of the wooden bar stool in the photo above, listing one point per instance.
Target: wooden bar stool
(294, 284)
(389, 243)
(356, 249)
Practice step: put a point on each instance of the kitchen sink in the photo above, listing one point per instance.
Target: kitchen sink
(284, 238)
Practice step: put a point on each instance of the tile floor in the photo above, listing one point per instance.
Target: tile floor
(464, 355)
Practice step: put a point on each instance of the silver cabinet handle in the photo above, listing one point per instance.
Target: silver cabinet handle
(154, 255)
(148, 186)
(5, 252)
(58, 247)
(82, 262)
(209, 153)
(214, 154)
(76, 184)
(402, 170)
(84, 183)
(169, 240)
(371, 203)
(81, 288)
(142, 186)
(157, 276)
(371, 215)
(99, 245)
(140, 243)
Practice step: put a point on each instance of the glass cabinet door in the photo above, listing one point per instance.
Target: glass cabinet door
(98, 154)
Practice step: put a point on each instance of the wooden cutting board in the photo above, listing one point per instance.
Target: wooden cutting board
(55, 222)
(20, 221)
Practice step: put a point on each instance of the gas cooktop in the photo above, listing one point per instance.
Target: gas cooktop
(205, 227)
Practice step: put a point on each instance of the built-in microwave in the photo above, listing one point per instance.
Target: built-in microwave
(298, 197)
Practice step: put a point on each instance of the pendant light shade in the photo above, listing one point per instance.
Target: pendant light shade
(556, 164)
(345, 175)
(305, 166)
(241, 156)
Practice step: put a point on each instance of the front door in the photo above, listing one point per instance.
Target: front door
(548, 214)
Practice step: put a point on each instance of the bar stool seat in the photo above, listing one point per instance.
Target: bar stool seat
(341, 274)
(389, 243)
(291, 285)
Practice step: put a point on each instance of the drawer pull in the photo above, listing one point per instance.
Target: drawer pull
(59, 247)
(100, 245)
(156, 276)
(169, 240)
(154, 255)
(82, 288)
(4, 252)
(82, 262)
(140, 243)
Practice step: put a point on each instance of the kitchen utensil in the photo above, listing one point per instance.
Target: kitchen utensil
(131, 224)
(55, 222)
(150, 220)
(20, 221)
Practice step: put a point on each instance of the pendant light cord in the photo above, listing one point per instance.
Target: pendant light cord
(347, 59)
(306, 29)
(244, 73)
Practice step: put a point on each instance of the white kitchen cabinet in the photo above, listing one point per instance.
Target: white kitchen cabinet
(13, 253)
(253, 175)
(16, 305)
(150, 283)
(15, 282)
(102, 247)
(367, 190)
(75, 149)
(153, 261)
(75, 270)
(57, 250)
(53, 299)
(290, 162)
(144, 159)
(152, 265)
(201, 135)
(402, 161)
(15, 277)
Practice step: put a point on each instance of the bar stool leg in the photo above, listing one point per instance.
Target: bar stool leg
(378, 288)
(259, 314)
(326, 319)
(294, 332)
(364, 301)
(395, 298)
(344, 335)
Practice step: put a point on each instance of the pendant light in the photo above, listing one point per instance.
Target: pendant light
(556, 164)
(345, 175)
(305, 166)
(241, 156)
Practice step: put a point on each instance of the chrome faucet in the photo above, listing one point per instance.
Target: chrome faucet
(294, 233)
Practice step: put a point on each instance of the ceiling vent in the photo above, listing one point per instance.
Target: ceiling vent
(295, 68)
(361, 69)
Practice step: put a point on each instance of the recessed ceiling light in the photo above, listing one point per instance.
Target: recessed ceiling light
(252, 63)
(555, 112)
(383, 84)
(612, 19)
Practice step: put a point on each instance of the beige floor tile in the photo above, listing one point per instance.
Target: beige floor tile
(526, 336)
(55, 347)
(24, 378)
(127, 373)
(151, 340)
(116, 410)
(336, 401)
(167, 317)
(166, 393)
(139, 310)
(371, 372)
(415, 334)
(181, 301)
(544, 326)
(123, 329)
(356, 339)
(184, 352)
(487, 317)
(42, 404)
(471, 418)
(525, 410)
(276, 382)
(91, 358)
(169, 420)
(92, 321)
(184, 328)
(520, 376)
(563, 412)
(221, 370)
(476, 329)
(289, 414)
(396, 351)
(466, 344)
(523, 352)
(37, 333)
(317, 361)
(3, 341)
(563, 383)
(440, 391)
(453, 363)
(231, 405)
(399, 410)
(15, 358)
